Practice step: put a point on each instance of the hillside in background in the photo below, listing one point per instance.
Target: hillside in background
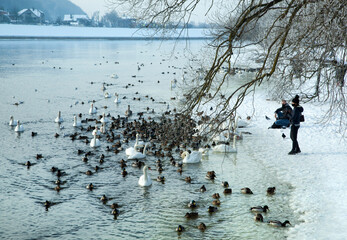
(52, 8)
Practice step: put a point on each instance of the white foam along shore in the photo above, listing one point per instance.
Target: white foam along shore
(13, 31)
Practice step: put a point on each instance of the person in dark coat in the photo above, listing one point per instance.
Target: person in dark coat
(295, 122)
(283, 116)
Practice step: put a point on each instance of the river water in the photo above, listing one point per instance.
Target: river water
(47, 76)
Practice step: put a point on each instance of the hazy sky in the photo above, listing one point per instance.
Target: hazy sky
(91, 6)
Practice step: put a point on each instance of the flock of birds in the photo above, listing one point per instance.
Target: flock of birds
(171, 136)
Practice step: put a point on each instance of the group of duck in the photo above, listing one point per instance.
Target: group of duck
(171, 135)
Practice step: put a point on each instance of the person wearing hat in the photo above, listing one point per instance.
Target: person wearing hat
(295, 122)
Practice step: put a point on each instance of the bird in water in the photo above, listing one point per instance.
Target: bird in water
(259, 209)
(258, 218)
(145, 179)
(271, 190)
(276, 223)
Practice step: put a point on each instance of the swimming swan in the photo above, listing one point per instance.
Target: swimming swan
(226, 148)
(104, 119)
(96, 131)
(59, 119)
(92, 109)
(76, 123)
(19, 127)
(95, 142)
(145, 180)
(117, 101)
(12, 121)
(138, 155)
(194, 157)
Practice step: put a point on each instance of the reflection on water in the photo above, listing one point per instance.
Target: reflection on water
(52, 76)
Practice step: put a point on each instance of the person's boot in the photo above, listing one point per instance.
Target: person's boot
(298, 150)
(292, 152)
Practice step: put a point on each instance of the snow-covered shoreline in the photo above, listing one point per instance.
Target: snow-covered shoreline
(11, 31)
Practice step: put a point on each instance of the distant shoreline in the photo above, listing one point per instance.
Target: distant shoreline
(37, 32)
(97, 38)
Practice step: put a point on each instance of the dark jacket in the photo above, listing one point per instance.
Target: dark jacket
(295, 119)
(286, 110)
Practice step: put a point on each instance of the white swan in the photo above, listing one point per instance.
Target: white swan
(96, 131)
(225, 148)
(117, 101)
(194, 157)
(92, 109)
(103, 128)
(107, 95)
(132, 150)
(138, 155)
(115, 76)
(76, 122)
(59, 119)
(145, 180)
(240, 123)
(12, 121)
(138, 142)
(104, 119)
(95, 142)
(19, 127)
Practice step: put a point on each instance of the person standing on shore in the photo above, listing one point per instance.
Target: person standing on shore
(295, 122)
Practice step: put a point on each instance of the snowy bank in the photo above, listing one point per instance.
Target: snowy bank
(10, 31)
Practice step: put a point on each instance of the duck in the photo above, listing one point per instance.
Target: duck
(92, 109)
(260, 209)
(180, 228)
(117, 100)
(145, 180)
(76, 123)
(191, 215)
(216, 202)
(59, 119)
(95, 142)
(139, 155)
(211, 175)
(258, 218)
(12, 121)
(128, 112)
(246, 190)
(104, 199)
(225, 184)
(277, 223)
(192, 204)
(90, 186)
(104, 119)
(225, 147)
(124, 172)
(202, 226)
(203, 188)
(161, 179)
(19, 127)
(114, 205)
(212, 209)
(271, 190)
(216, 195)
(188, 179)
(194, 157)
(227, 191)
(115, 212)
